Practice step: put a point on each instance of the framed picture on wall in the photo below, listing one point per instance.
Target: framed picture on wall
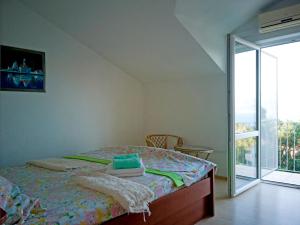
(22, 69)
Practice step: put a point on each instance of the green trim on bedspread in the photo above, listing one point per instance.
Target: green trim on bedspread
(89, 159)
(176, 178)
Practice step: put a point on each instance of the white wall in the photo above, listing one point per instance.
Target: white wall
(88, 102)
(195, 109)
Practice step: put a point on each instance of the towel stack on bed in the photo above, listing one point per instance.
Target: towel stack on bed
(128, 165)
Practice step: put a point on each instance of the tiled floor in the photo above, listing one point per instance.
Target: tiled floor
(284, 177)
(248, 171)
(240, 182)
(264, 204)
(276, 176)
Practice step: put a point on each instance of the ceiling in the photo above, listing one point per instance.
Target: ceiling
(210, 21)
(153, 40)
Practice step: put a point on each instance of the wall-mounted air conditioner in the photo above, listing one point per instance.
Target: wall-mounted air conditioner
(279, 19)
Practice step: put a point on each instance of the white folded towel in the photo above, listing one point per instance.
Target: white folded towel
(60, 164)
(132, 196)
(134, 172)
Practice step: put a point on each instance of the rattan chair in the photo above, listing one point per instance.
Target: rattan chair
(162, 140)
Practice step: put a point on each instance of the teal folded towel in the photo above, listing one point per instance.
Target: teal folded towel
(126, 163)
(127, 156)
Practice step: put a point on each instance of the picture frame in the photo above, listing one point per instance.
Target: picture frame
(22, 69)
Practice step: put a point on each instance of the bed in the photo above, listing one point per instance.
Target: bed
(67, 203)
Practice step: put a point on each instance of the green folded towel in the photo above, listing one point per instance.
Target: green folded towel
(89, 159)
(127, 156)
(176, 178)
(128, 163)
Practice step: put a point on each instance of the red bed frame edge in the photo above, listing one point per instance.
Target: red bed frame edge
(183, 207)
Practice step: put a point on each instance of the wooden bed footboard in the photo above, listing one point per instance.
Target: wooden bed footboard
(183, 207)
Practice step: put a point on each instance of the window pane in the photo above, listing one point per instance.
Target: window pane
(246, 157)
(245, 89)
(269, 141)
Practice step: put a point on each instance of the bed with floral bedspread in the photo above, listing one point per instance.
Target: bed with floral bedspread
(66, 203)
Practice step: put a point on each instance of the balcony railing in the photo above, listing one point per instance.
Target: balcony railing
(287, 158)
(289, 146)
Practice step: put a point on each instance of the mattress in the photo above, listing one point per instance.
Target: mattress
(66, 203)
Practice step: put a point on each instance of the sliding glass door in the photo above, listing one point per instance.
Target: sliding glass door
(244, 138)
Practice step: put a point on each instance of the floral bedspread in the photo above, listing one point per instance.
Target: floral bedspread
(66, 203)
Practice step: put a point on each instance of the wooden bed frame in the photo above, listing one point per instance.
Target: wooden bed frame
(183, 207)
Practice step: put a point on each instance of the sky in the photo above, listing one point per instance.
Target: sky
(281, 60)
(245, 87)
(288, 58)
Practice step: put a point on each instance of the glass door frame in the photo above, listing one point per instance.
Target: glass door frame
(232, 137)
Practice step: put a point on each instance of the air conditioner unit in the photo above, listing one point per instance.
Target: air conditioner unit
(279, 19)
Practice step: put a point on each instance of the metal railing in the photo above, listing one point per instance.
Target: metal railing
(289, 152)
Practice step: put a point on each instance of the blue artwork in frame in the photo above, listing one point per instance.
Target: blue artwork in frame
(21, 69)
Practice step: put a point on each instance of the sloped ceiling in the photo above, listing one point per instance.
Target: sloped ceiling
(144, 37)
(210, 21)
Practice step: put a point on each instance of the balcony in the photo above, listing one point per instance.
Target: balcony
(283, 177)
(288, 171)
(281, 166)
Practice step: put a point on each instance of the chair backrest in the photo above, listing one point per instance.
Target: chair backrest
(161, 140)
